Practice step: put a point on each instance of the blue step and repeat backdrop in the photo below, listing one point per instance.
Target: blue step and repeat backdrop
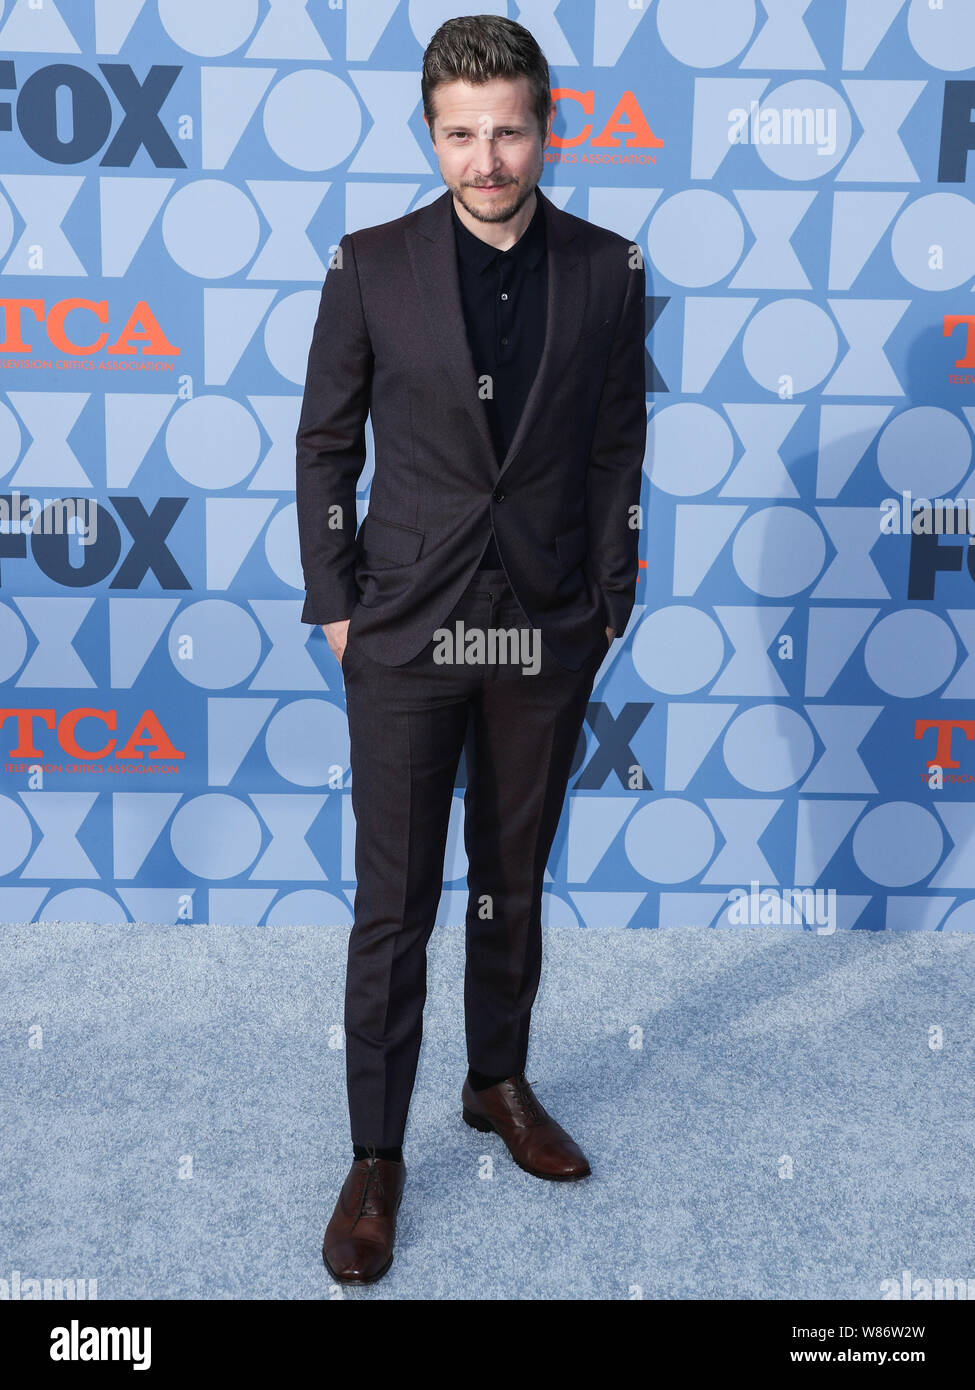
(787, 731)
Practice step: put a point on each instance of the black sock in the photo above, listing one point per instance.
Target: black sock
(480, 1082)
(394, 1155)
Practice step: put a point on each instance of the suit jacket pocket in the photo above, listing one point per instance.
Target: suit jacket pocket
(387, 543)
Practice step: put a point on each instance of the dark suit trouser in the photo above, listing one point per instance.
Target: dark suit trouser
(407, 727)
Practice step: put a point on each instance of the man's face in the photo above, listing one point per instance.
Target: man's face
(489, 146)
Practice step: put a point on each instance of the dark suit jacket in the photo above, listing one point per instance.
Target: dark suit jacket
(390, 337)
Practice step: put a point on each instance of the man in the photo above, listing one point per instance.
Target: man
(499, 344)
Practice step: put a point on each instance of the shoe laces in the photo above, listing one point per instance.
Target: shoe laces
(526, 1096)
(374, 1179)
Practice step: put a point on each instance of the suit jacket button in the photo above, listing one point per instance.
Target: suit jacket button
(498, 495)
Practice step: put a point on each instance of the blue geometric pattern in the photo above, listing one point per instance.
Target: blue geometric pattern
(790, 707)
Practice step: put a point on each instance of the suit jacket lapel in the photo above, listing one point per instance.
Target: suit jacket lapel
(430, 242)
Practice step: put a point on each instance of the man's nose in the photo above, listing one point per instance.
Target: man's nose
(485, 155)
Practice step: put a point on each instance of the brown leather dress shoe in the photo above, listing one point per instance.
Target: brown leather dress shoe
(358, 1245)
(536, 1143)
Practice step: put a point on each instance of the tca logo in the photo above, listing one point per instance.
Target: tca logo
(954, 321)
(945, 729)
(626, 119)
(140, 327)
(147, 738)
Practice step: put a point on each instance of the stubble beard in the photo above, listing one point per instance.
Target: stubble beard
(499, 211)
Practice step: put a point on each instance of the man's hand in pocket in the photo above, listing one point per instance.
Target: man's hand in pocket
(335, 636)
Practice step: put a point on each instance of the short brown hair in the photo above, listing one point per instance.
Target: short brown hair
(475, 49)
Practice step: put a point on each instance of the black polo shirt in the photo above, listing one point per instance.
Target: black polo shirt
(504, 297)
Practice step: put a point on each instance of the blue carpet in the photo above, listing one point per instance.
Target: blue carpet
(784, 1130)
